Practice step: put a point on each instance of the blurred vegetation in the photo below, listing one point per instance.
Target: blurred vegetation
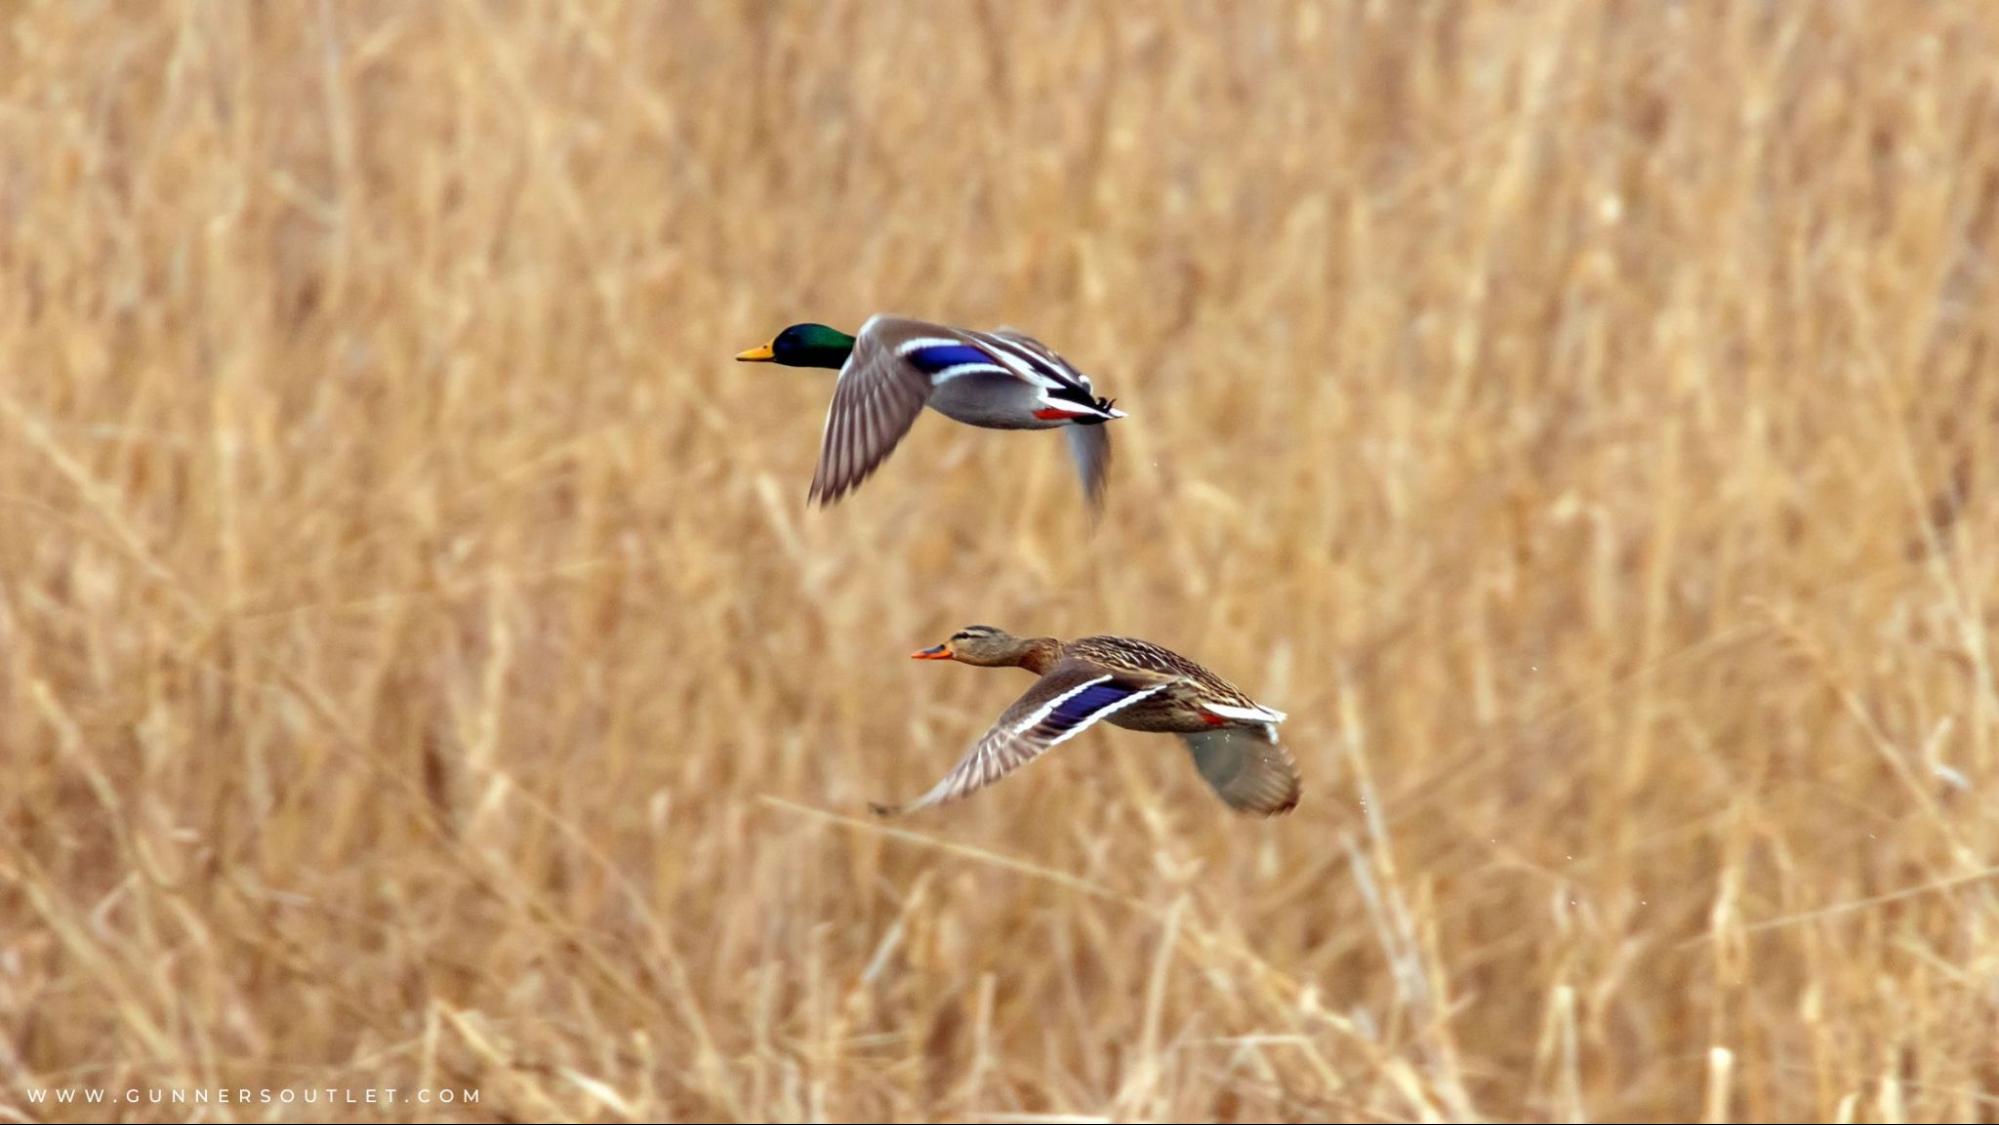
(418, 664)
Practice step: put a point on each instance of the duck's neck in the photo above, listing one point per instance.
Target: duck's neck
(831, 358)
(1039, 654)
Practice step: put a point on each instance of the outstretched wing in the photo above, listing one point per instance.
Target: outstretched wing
(878, 397)
(1061, 705)
(1247, 768)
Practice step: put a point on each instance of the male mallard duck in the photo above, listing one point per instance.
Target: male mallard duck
(1128, 683)
(1002, 380)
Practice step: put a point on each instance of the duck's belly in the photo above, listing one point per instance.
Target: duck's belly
(1170, 712)
(997, 402)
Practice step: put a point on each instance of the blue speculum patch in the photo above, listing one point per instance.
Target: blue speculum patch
(1086, 703)
(933, 360)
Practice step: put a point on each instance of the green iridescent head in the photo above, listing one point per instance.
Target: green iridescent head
(804, 345)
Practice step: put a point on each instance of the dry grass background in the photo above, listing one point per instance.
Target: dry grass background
(418, 665)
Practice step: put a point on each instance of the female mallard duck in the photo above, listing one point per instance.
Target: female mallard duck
(1128, 683)
(1001, 380)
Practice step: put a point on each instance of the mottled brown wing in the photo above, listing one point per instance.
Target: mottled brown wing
(1067, 701)
(1247, 769)
(875, 402)
(1137, 654)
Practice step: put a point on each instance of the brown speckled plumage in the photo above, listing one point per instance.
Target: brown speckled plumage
(1126, 682)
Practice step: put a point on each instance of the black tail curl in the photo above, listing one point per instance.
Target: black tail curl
(1103, 404)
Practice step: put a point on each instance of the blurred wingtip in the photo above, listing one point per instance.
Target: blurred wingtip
(1090, 448)
(1280, 807)
(1094, 503)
